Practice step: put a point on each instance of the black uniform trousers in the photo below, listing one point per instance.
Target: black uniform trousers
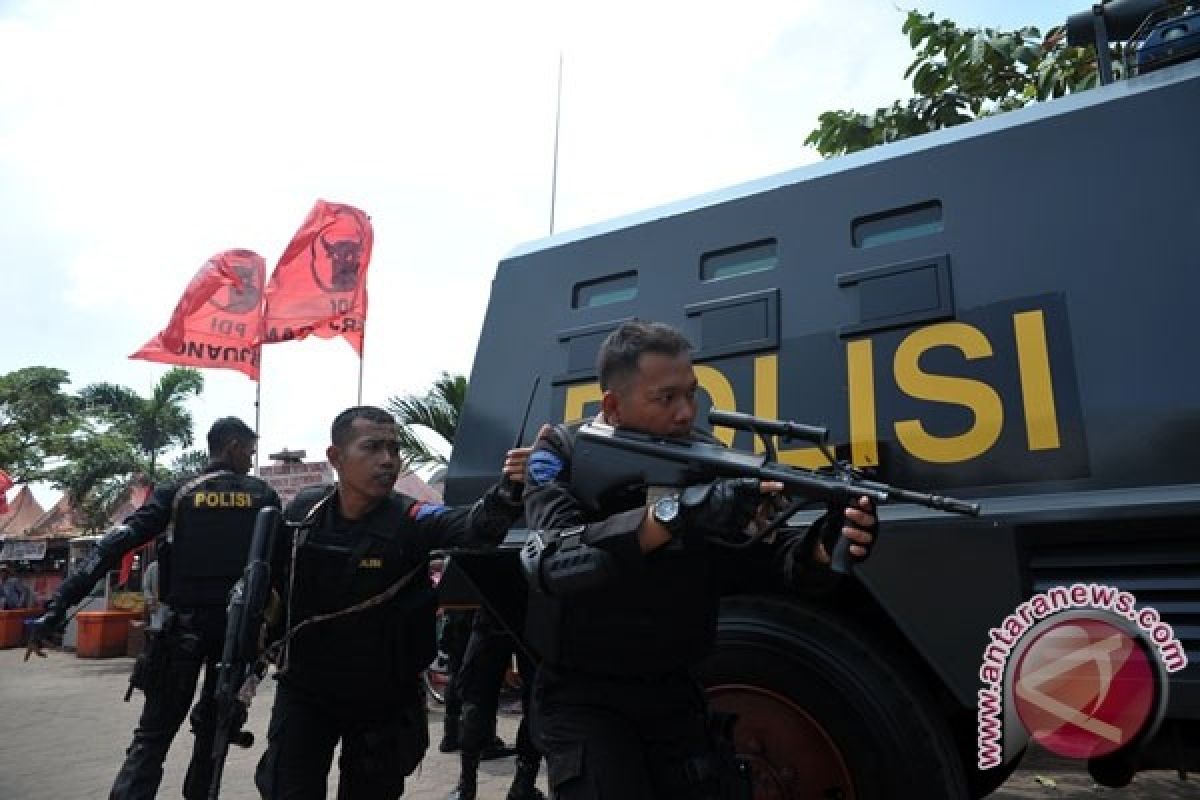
(455, 633)
(192, 641)
(382, 743)
(609, 738)
(480, 679)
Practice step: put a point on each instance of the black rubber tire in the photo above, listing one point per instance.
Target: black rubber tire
(891, 736)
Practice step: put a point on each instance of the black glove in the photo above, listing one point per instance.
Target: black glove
(51, 623)
(510, 491)
(722, 508)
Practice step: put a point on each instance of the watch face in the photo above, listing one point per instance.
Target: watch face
(666, 510)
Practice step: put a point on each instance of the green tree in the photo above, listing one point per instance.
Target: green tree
(188, 464)
(962, 74)
(36, 420)
(152, 424)
(97, 466)
(438, 409)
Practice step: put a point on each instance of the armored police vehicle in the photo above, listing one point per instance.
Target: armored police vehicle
(1004, 311)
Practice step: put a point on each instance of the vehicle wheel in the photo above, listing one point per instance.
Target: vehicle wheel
(823, 712)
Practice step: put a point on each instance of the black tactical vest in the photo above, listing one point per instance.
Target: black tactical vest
(373, 654)
(209, 537)
(646, 623)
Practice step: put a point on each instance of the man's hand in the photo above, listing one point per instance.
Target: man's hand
(515, 461)
(859, 525)
(53, 621)
(724, 508)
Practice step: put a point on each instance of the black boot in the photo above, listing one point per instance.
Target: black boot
(467, 776)
(450, 741)
(524, 785)
(496, 748)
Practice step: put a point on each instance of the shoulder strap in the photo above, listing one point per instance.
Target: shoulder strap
(562, 435)
(183, 489)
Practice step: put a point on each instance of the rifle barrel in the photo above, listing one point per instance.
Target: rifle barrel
(776, 427)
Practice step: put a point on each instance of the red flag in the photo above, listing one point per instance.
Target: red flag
(216, 322)
(6, 483)
(319, 286)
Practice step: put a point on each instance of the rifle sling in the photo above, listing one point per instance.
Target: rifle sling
(371, 602)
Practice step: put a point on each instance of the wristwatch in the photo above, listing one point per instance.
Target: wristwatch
(666, 512)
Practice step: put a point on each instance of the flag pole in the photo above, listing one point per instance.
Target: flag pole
(362, 356)
(257, 407)
(557, 120)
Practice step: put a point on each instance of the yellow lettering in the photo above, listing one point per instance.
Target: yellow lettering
(766, 404)
(975, 395)
(721, 393)
(578, 396)
(860, 385)
(1037, 387)
(223, 500)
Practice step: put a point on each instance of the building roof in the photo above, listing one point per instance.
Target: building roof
(64, 520)
(135, 494)
(23, 511)
(412, 485)
(288, 479)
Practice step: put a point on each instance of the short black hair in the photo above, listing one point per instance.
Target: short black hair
(339, 433)
(619, 354)
(226, 430)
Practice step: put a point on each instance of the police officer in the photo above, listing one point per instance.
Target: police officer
(455, 634)
(633, 604)
(204, 526)
(456, 627)
(358, 626)
(489, 653)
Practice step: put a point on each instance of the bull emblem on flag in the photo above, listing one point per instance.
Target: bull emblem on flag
(244, 295)
(337, 267)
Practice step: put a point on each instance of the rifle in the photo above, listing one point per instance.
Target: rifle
(608, 460)
(241, 669)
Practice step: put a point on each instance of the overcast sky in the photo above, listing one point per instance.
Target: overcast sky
(139, 138)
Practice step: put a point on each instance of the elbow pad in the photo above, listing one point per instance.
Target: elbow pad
(560, 562)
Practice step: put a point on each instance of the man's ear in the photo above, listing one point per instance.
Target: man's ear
(610, 404)
(334, 456)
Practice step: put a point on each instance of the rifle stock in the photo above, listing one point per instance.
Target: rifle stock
(239, 671)
(607, 460)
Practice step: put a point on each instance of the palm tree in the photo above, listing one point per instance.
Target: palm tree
(151, 423)
(439, 410)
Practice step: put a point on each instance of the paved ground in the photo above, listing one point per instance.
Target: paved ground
(64, 729)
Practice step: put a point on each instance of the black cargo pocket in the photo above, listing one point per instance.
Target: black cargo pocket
(564, 765)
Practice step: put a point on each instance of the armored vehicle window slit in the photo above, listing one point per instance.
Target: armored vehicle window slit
(605, 291)
(886, 227)
(741, 260)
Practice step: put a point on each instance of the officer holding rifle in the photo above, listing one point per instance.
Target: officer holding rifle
(625, 597)
(204, 526)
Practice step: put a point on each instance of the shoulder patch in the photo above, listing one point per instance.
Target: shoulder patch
(544, 466)
(420, 511)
